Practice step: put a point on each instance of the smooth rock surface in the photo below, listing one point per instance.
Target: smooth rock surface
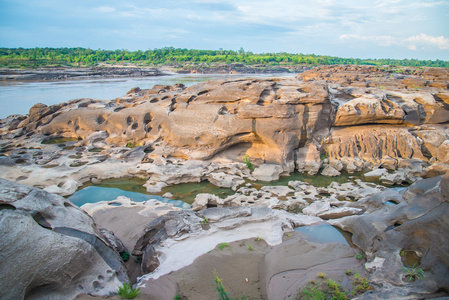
(51, 249)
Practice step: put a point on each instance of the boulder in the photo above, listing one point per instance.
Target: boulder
(316, 208)
(205, 200)
(339, 212)
(267, 172)
(51, 249)
(375, 174)
(330, 171)
(222, 179)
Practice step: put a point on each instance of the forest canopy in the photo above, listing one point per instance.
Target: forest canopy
(39, 57)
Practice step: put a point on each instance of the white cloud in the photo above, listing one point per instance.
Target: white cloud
(417, 42)
(424, 41)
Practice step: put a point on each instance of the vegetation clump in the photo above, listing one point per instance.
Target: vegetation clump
(133, 144)
(219, 287)
(248, 162)
(221, 246)
(414, 273)
(128, 292)
(324, 290)
(125, 256)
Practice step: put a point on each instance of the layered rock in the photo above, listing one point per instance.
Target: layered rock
(51, 249)
(351, 118)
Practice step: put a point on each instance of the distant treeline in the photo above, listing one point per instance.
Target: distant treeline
(36, 57)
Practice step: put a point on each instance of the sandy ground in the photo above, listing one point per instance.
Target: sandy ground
(248, 268)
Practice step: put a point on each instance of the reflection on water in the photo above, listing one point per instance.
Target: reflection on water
(187, 192)
(93, 194)
(315, 180)
(325, 233)
(19, 97)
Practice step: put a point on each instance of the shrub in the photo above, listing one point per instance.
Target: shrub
(125, 256)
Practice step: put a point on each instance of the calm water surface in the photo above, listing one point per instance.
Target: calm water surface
(18, 97)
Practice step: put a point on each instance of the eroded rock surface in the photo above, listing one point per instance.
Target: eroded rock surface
(351, 118)
(51, 249)
(404, 228)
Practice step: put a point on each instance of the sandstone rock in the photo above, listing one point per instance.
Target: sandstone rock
(339, 212)
(221, 179)
(443, 152)
(368, 145)
(417, 224)
(267, 172)
(375, 174)
(278, 191)
(367, 110)
(51, 249)
(308, 159)
(204, 200)
(330, 171)
(316, 208)
(435, 170)
(271, 120)
(397, 178)
(68, 188)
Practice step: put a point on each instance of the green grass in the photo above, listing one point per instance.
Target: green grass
(128, 292)
(221, 246)
(414, 273)
(248, 162)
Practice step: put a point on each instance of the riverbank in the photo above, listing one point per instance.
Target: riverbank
(134, 70)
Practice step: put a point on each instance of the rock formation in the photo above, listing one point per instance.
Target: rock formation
(50, 249)
(349, 118)
(404, 228)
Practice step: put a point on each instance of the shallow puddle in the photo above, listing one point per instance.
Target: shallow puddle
(59, 140)
(325, 233)
(186, 192)
(93, 194)
(315, 180)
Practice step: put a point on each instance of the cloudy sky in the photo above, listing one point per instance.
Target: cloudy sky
(347, 28)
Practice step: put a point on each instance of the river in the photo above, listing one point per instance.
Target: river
(18, 97)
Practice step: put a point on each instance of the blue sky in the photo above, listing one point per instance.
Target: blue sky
(347, 28)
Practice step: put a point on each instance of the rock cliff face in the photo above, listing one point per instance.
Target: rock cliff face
(51, 249)
(349, 118)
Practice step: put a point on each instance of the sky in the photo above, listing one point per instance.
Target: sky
(398, 29)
